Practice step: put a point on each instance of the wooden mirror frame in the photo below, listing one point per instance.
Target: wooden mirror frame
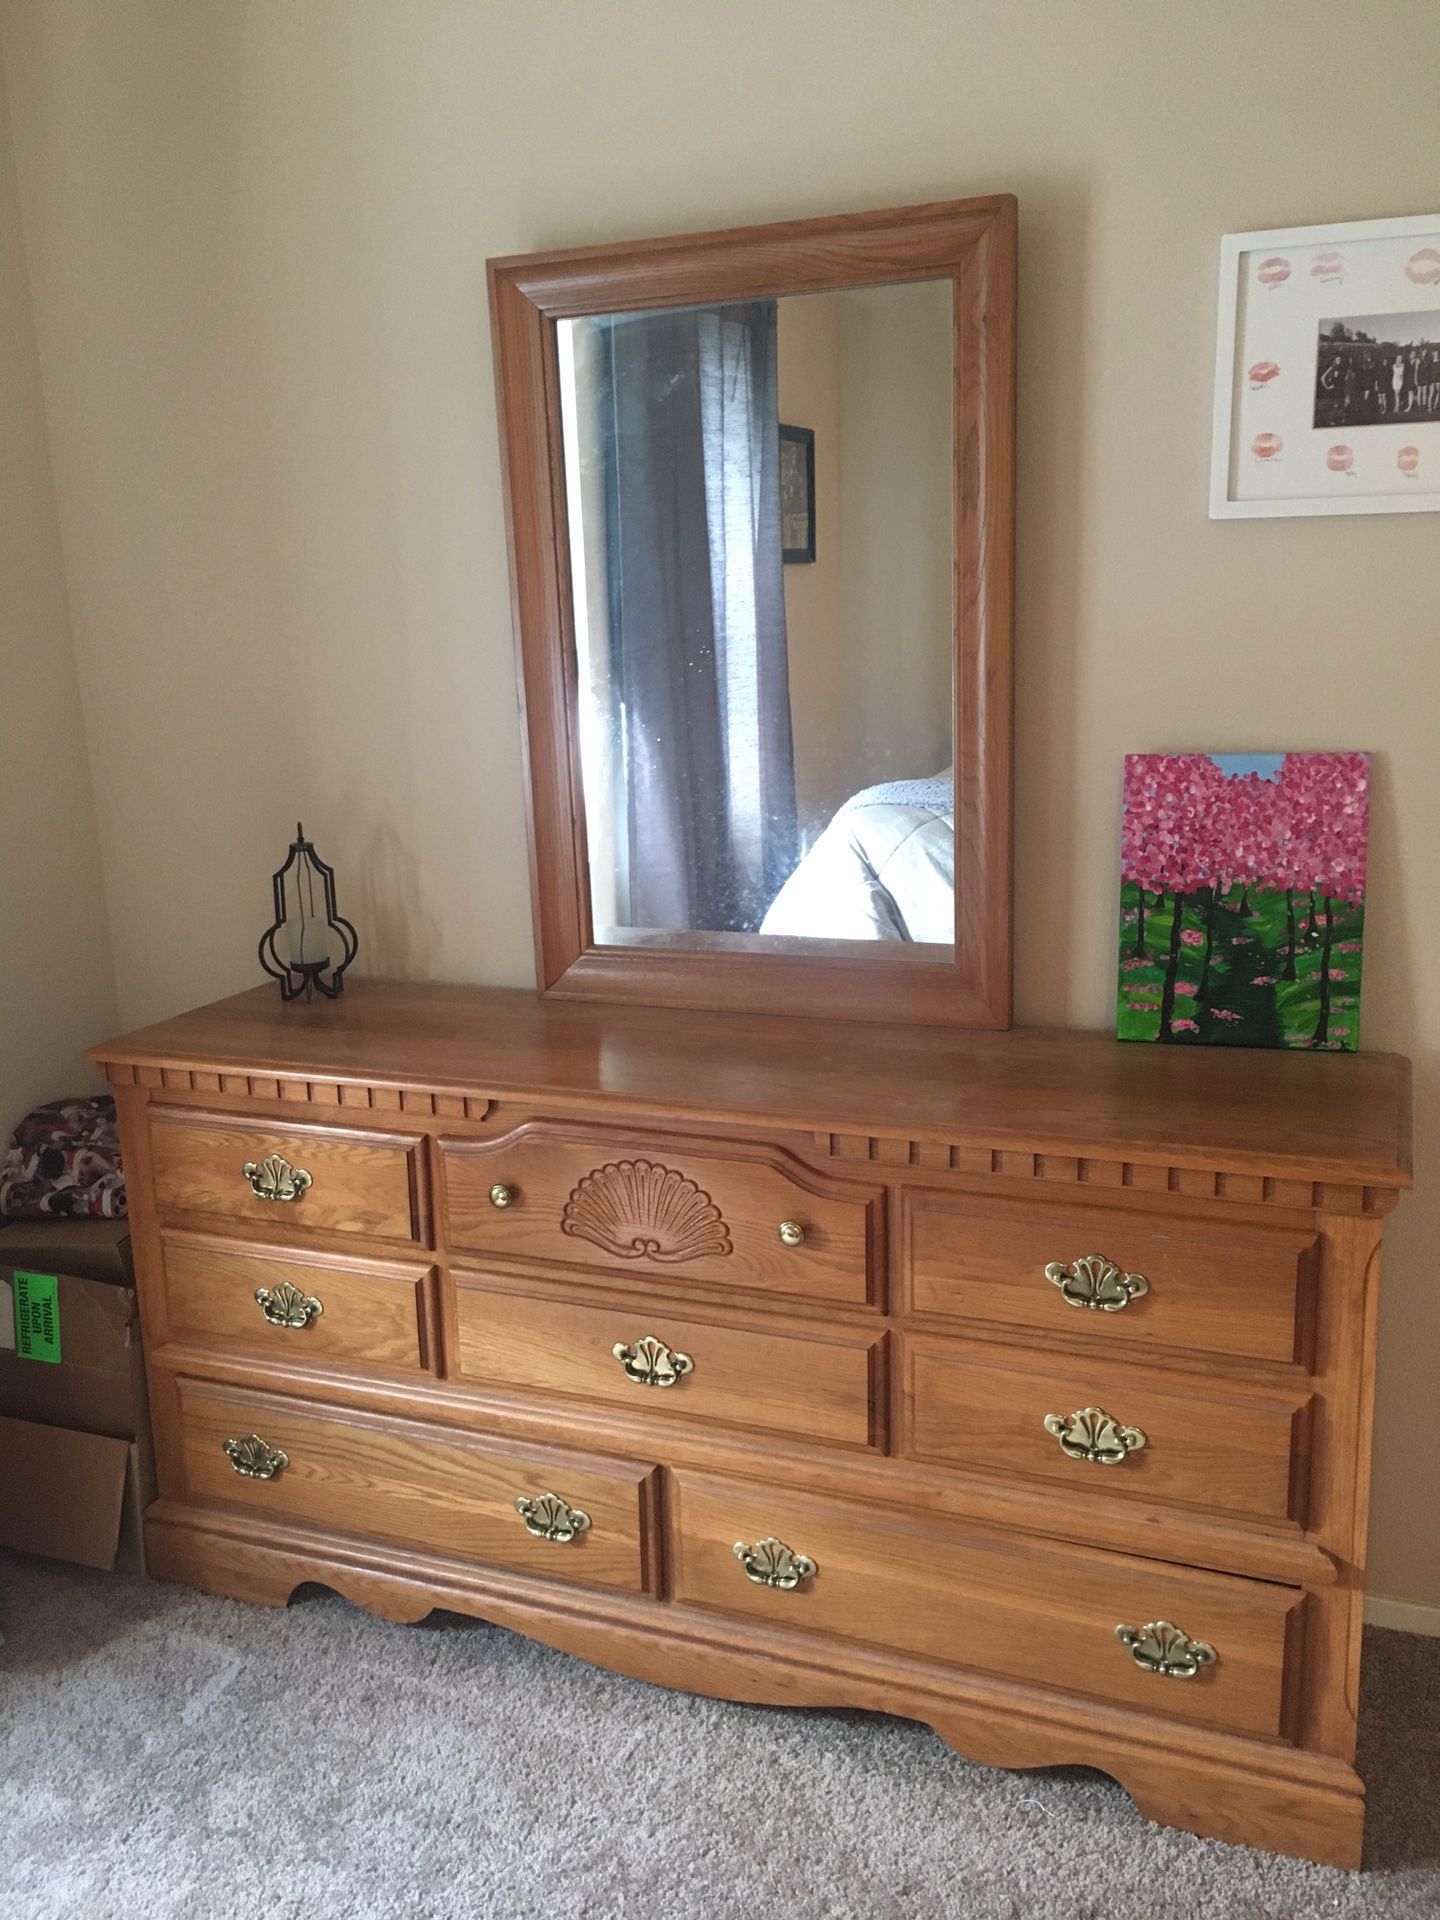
(972, 244)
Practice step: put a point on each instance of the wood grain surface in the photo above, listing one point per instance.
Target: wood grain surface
(1206, 1444)
(1318, 1117)
(1209, 1290)
(992, 1602)
(826, 1388)
(573, 1205)
(361, 1183)
(419, 1486)
(372, 1313)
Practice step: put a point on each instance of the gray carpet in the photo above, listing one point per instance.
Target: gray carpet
(164, 1756)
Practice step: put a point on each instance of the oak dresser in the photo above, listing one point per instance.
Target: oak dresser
(1016, 1382)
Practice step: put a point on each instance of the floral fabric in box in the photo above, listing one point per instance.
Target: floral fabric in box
(1242, 900)
(64, 1160)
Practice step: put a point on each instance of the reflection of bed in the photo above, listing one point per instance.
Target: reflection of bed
(883, 869)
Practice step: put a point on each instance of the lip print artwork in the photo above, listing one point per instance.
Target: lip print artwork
(1242, 899)
(1327, 370)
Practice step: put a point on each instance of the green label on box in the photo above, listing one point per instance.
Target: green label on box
(37, 1316)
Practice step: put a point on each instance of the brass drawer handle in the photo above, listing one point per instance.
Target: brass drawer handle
(1163, 1648)
(1095, 1282)
(287, 1306)
(792, 1234)
(650, 1363)
(273, 1178)
(501, 1195)
(549, 1517)
(253, 1460)
(1091, 1434)
(770, 1563)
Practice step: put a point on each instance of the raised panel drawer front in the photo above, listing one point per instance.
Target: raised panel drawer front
(664, 1209)
(1112, 1428)
(999, 1604)
(280, 1178)
(825, 1388)
(408, 1485)
(290, 1307)
(1110, 1277)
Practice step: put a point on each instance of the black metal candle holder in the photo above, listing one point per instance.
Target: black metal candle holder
(309, 941)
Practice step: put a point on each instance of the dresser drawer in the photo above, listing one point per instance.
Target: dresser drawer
(1110, 1276)
(420, 1486)
(1115, 1428)
(282, 1178)
(315, 1307)
(1000, 1604)
(823, 1388)
(571, 1199)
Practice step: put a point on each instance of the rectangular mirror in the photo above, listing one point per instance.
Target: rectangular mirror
(759, 506)
(759, 491)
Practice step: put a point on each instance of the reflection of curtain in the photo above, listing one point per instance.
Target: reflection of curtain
(697, 613)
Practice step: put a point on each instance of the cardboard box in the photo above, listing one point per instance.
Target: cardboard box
(76, 1466)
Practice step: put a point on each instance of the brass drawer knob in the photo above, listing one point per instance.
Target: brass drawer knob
(253, 1460)
(1091, 1434)
(1162, 1648)
(273, 1178)
(650, 1363)
(549, 1517)
(770, 1563)
(501, 1195)
(287, 1306)
(792, 1234)
(1095, 1282)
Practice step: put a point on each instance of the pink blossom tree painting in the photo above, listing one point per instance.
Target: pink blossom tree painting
(1242, 899)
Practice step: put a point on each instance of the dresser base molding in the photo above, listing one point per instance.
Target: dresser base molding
(1250, 1792)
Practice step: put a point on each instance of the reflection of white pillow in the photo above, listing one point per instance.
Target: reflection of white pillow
(879, 871)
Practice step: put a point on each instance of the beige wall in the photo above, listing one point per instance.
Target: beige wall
(57, 981)
(896, 524)
(823, 701)
(258, 234)
(869, 621)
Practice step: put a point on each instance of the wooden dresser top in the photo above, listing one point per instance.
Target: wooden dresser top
(1324, 1117)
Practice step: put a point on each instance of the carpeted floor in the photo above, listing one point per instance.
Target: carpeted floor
(164, 1756)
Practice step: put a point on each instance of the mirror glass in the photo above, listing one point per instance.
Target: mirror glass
(759, 503)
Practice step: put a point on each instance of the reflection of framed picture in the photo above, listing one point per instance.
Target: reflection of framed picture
(1327, 371)
(797, 494)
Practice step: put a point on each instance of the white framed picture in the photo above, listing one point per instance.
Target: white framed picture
(1327, 371)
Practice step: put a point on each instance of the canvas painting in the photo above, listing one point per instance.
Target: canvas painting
(1242, 900)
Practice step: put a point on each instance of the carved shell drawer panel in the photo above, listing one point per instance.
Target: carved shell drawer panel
(1198, 1647)
(660, 1359)
(1094, 1424)
(1179, 1281)
(286, 1181)
(568, 1516)
(748, 1218)
(296, 1308)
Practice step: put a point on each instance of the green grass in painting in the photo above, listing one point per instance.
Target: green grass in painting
(1252, 991)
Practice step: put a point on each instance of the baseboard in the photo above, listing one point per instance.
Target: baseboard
(1408, 1615)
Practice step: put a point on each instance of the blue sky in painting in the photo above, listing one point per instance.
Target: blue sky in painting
(1267, 765)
